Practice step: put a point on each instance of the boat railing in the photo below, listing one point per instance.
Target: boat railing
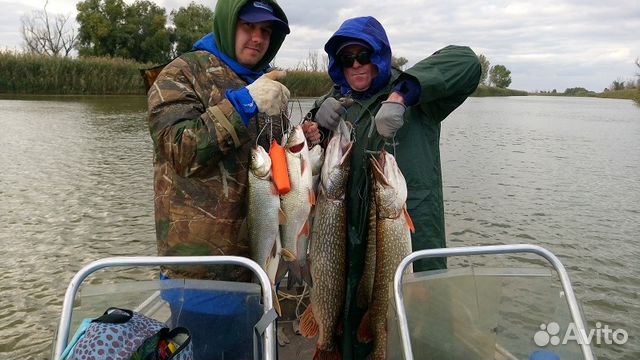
(268, 338)
(572, 302)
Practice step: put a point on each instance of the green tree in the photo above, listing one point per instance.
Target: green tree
(576, 91)
(147, 37)
(500, 76)
(100, 32)
(191, 23)
(484, 65)
(398, 62)
(113, 28)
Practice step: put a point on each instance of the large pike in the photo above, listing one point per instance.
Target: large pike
(393, 243)
(328, 249)
(296, 205)
(263, 216)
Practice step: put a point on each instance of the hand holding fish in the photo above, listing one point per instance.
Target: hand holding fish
(311, 132)
(269, 95)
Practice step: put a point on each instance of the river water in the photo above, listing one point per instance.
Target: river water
(563, 173)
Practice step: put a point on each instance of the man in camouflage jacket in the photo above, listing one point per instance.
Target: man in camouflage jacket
(206, 109)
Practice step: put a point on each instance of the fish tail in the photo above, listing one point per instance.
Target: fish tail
(365, 335)
(308, 325)
(295, 275)
(281, 272)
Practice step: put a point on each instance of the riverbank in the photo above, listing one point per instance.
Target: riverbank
(31, 74)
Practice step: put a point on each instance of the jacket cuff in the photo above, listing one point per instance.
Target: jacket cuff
(410, 90)
(243, 103)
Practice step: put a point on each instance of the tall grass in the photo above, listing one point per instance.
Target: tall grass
(307, 83)
(39, 74)
(631, 94)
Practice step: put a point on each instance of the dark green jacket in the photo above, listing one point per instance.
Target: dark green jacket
(446, 79)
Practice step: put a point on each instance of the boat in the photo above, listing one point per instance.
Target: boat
(463, 313)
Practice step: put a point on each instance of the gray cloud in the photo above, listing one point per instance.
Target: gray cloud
(546, 44)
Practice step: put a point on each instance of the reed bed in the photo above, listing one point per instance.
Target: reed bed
(22, 73)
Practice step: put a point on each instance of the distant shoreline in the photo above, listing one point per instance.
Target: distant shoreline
(33, 75)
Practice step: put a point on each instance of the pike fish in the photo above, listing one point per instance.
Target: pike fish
(328, 249)
(393, 243)
(316, 158)
(296, 205)
(263, 216)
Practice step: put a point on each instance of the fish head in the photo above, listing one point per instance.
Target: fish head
(337, 162)
(260, 163)
(394, 175)
(389, 184)
(296, 142)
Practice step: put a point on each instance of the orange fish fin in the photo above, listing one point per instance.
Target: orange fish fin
(306, 230)
(312, 197)
(282, 217)
(287, 255)
(308, 325)
(409, 221)
(276, 301)
(364, 330)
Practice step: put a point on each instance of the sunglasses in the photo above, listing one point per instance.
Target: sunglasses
(363, 58)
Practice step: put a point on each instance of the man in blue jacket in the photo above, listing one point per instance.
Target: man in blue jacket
(404, 107)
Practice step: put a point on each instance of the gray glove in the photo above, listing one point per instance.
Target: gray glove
(271, 97)
(389, 118)
(329, 113)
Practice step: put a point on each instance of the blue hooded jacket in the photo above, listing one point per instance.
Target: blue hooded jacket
(369, 30)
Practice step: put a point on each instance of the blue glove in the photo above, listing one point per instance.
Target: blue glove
(263, 95)
(410, 91)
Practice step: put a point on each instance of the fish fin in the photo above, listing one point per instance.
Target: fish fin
(276, 301)
(409, 221)
(306, 230)
(308, 325)
(274, 189)
(327, 354)
(312, 197)
(305, 272)
(288, 255)
(282, 217)
(282, 270)
(364, 330)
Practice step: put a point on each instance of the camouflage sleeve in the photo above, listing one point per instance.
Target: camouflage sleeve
(192, 127)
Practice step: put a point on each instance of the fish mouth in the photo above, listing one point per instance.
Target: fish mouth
(296, 148)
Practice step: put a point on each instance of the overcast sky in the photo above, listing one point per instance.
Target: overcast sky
(547, 44)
